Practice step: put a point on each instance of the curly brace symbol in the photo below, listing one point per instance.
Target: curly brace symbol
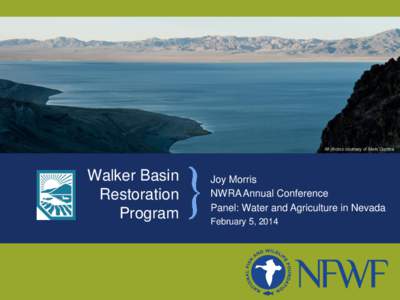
(194, 187)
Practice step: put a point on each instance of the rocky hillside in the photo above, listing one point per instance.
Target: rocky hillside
(25, 92)
(27, 124)
(385, 44)
(370, 122)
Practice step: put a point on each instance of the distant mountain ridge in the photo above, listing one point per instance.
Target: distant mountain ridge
(385, 43)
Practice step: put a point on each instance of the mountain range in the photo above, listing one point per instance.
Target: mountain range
(381, 46)
(385, 43)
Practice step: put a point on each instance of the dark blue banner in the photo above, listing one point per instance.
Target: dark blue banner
(116, 198)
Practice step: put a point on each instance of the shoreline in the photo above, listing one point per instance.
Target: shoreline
(126, 57)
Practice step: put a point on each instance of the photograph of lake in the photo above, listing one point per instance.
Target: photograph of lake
(248, 107)
(199, 84)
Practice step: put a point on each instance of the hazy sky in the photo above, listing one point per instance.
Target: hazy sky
(137, 28)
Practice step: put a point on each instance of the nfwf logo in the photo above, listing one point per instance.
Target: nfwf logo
(348, 272)
(270, 272)
(55, 195)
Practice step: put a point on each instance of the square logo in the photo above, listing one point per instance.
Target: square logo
(55, 195)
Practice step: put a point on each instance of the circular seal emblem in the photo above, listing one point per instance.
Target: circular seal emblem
(268, 272)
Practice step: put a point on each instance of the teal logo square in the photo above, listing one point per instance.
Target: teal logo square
(56, 195)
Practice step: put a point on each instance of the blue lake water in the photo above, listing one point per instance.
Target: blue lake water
(250, 108)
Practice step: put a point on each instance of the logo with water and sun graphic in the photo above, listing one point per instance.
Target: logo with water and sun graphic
(55, 195)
